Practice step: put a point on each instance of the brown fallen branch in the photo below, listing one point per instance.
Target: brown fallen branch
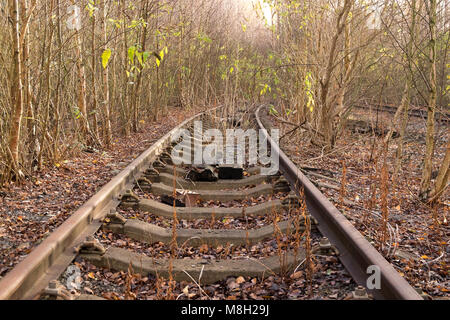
(304, 125)
(326, 185)
(320, 176)
(308, 168)
(293, 130)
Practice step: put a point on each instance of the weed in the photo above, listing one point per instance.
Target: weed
(309, 263)
(372, 191)
(384, 200)
(213, 219)
(129, 294)
(279, 236)
(343, 185)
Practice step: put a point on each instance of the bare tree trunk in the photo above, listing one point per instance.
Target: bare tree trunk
(425, 186)
(108, 135)
(16, 87)
(94, 71)
(442, 177)
(326, 111)
(27, 98)
(398, 113)
(156, 97)
(45, 123)
(56, 131)
(134, 103)
(401, 111)
(404, 107)
(85, 128)
(341, 93)
(125, 107)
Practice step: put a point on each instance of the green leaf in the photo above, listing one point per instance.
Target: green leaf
(91, 8)
(139, 56)
(106, 55)
(272, 110)
(146, 55)
(204, 38)
(309, 91)
(131, 53)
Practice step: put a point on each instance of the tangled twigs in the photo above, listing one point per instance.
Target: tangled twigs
(279, 236)
(384, 201)
(129, 294)
(308, 249)
(343, 184)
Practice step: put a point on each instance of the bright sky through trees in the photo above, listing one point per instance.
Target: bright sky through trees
(267, 11)
(265, 8)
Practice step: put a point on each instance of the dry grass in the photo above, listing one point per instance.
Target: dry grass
(309, 263)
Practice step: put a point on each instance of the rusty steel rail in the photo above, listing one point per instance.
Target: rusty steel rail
(440, 116)
(355, 252)
(49, 259)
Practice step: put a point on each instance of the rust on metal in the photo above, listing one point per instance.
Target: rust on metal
(90, 246)
(355, 252)
(49, 259)
(115, 218)
(129, 197)
(56, 290)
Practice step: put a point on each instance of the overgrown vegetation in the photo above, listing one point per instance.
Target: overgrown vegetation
(64, 89)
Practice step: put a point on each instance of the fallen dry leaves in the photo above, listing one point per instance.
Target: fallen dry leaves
(420, 251)
(29, 212)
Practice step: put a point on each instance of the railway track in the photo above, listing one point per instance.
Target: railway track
(200, 225)
(417, 112)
